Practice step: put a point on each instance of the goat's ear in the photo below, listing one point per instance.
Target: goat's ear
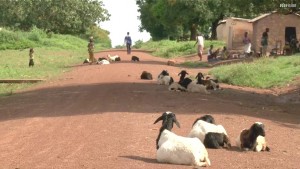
(157, 120)
(176, 122)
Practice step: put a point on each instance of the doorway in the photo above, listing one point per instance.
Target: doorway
(290, 33)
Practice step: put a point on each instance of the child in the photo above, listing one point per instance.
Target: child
(91, 51)
(31, 63)
(212, 55)
(225, 53)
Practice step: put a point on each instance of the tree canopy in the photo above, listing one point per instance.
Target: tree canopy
(59, 16)
(174, 18)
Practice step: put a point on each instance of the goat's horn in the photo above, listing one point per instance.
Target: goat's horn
(157, 120)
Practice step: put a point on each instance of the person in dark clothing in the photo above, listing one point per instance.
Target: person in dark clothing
(264, 42)
(128, 42)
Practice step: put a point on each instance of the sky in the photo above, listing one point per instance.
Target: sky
(123, 19)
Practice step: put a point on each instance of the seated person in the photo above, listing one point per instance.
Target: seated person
(224, 53)
(212, 55)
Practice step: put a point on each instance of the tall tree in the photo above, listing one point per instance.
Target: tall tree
(67, 16)
(177, 16)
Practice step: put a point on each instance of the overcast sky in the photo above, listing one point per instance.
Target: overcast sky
(123, 19)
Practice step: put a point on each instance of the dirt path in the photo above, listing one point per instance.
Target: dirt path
(102, 117)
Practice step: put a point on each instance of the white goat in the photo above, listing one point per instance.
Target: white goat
(212, 135)
(164, 78)
(177, 149)
(113, 58)
(181, 150)
(188, 85)
(177, 87)
(194, 87)
(103, 62)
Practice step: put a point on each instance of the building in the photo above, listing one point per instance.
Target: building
(282, 28)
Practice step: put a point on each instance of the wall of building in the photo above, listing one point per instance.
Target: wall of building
(277, 24)
(221, 32)
(232, 32)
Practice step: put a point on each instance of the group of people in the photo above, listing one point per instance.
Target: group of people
(212, 55)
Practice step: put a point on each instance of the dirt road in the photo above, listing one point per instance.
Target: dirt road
(102, 117)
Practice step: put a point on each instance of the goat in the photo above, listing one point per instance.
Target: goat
(247, 140)
(135, 58)
(210, 84)
(212, 135)
(171, 62)
(164, 78)
(177, 87)
(103, 62)
(113, 58)
(261, 144)
(208, 118)
(182, 75)
(176, 149)
(163, 73)
(101, 58)
(146, 75)
(188, 85)
(86, 61)
(194, 87)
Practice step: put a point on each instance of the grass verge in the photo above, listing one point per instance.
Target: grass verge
(261, 73)
(173, 49)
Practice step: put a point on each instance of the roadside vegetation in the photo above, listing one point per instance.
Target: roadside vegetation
(261, 73)
(173, 49)
(53, 54)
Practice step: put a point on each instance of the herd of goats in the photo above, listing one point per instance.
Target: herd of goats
(205, 133)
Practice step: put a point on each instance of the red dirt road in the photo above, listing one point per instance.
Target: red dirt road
(102, 117)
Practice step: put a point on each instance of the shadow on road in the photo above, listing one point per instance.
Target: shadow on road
(147, 97)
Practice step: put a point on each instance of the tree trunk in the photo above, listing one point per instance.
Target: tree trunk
(214, 26)
(214, 30)
(193, 30)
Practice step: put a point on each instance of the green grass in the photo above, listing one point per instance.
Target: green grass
(16, 40)
(53, 55)
(172, 49)
(49, 62)
(262, 73)
(196, 64)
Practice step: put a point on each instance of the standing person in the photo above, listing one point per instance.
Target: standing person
(247, 43)
(128, 41)
(200, 46)
(264, 42)
(31, 63)
(91, 47)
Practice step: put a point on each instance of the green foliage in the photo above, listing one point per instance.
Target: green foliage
(171, 49)
(174, 18)
(66, 17)
(39, 38)
(138, 44)
(100, 36)
(262, 73)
